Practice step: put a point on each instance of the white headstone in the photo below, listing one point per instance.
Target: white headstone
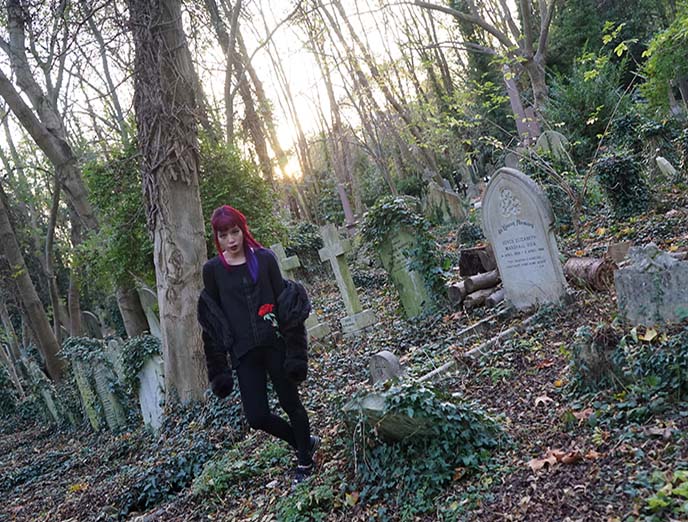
(518, 222)
(665, 167)
(152, 392)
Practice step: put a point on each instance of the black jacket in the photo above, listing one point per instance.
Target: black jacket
(292, 309)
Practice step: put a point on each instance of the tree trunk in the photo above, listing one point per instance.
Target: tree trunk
(47, 343)
(134, 318)
(48, 260)
(73, 301)
(164, 100)
(13, 340)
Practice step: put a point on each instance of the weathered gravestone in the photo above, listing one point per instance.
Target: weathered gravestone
(91, 324)
(149, 302)
(315, 329)
(554, 143)
(518, 222)
(152, 392)
(46, 391)
(653, 289)
(97, 382)
(395, 251)
(442, 204)
(384, 366)
(333, 251)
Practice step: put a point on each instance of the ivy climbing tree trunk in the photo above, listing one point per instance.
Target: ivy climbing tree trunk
(165, 104)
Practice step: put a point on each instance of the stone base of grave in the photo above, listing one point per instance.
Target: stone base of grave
(652, 298)
(315, 329)
(353, 324)
(394, 427)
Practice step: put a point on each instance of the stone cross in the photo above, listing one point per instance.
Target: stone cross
(518, 221)
(315, 329)
(357, 319)
(286, 264)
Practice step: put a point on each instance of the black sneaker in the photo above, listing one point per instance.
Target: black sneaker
(301, 473)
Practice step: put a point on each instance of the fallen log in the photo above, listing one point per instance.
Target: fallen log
(456, 292)
(495, 298)
(476, 260)
(590, 272)
(480, 281)
(477, 298)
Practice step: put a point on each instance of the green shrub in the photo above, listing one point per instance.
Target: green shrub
(310, 502)
(305, 241)
(408, 474)
(620, 176)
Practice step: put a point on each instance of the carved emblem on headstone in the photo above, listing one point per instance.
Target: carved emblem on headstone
(508, 203)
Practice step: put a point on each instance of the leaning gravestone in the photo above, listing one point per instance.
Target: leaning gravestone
(653, 290)
(152, 392)
(333, 251)
(149, 302)
(518, 222)
(552, 142)
(315, 329)
(92, 324)
(666, 168)
(395, 253)
(89, 399)
(442, 204)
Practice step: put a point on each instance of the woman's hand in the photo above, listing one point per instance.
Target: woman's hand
(222, 385)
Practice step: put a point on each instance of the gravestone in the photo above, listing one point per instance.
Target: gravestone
(384, 366)
(92, 324)
(315, 329)
(45, 390)
(89, 400)
(394, 250)
(666, 168)
(443, 205)
(113, 352)
(512, 161)
(653, 290)
(103, 377)
(518, 222)
(149, 302)
(333, 251)
(554, 143)
(152, 392)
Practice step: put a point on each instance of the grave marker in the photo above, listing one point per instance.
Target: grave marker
(357, 319)
(152, 392)
(410, 284)
(653, 289)
(443, 205)
(518, 221)
(384, 366)
(315, 329)
(554, 143)
(92, 324)
(149, 300)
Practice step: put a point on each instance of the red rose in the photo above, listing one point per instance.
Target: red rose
(266, 309)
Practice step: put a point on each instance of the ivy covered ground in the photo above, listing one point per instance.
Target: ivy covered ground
(514, 435)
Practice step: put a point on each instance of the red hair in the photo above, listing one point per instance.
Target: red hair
(226, 217)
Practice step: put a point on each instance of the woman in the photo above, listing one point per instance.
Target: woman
(249, 312)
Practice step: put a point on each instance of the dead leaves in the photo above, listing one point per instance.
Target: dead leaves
(555, 456)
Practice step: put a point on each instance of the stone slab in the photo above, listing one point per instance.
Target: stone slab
(354, 324)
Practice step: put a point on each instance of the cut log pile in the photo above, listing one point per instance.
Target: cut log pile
(480, 281)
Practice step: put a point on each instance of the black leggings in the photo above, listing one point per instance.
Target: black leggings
(253, 369)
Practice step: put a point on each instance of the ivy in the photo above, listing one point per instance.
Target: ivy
(8, 399)
(621, 179)
(456, 435)
(391, 214)
(135, 353)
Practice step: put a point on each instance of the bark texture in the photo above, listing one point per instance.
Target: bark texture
(165, 106)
